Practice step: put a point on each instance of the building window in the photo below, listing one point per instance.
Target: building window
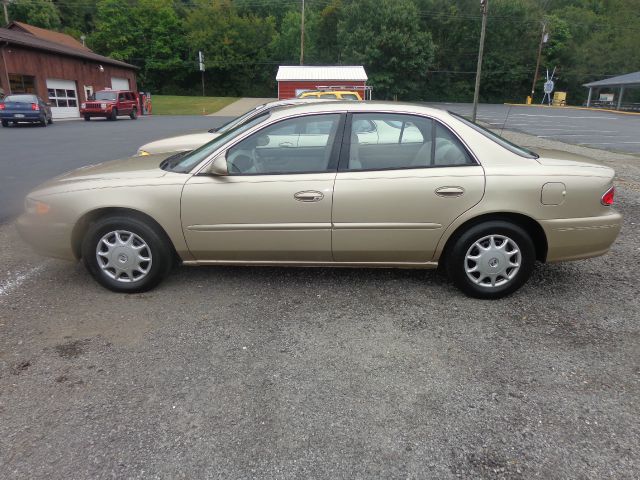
(22, 83)
(60, 97)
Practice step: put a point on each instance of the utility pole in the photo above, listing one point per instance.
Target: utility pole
(543, 39)
(201, 66)
(6, 13)
(302, 36)
(484, 7)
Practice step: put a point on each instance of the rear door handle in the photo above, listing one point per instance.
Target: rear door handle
(450, 191)
(309, 196)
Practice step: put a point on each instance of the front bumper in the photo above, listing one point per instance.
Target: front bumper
(577, 238)
(52, 239)
(95, 112)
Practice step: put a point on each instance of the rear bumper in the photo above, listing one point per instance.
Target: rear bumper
(51, 239)
(31, 116)
(577, 238)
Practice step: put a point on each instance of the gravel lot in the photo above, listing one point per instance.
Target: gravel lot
(324, 373)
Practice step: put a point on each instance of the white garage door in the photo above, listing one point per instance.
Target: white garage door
(63, 97)
(119, 83)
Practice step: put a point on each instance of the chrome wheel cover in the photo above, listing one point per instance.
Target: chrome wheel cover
(123, 256)
(493, 261)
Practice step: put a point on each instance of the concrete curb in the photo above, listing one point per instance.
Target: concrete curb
(591, 109)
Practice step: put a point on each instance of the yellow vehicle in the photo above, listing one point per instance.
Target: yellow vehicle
(332, 94)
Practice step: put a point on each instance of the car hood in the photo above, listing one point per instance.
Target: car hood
(178, 144)
(126, 171)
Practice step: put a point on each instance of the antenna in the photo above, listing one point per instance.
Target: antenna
(505, 120)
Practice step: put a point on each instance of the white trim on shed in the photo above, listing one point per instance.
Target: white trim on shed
(352, 73)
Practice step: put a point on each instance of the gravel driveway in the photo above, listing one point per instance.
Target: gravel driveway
(324, 373)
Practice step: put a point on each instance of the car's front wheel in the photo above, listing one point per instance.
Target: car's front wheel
(5, 123)
(114, 114)
(491, 260)
(126, 254)
(87, 118)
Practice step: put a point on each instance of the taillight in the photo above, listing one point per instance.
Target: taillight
(607, 198)
(2, 107)
(35, 107)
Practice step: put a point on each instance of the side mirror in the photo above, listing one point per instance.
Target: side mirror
(219, 166)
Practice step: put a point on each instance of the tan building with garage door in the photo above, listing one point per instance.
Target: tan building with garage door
(57, 67)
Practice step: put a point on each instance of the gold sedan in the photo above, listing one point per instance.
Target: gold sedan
(332, 184)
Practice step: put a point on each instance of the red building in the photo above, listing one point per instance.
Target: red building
(57, 67)
(297, 79)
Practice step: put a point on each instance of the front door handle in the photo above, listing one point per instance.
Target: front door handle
(309, 196)
(450, 191)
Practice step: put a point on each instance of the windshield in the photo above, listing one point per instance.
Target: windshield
(241, 119)
(106, 96)
(184, 164)
(512, 147)
(20, 98)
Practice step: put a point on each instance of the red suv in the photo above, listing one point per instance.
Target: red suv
(110, 104)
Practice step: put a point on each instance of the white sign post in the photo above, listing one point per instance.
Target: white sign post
(201, 66)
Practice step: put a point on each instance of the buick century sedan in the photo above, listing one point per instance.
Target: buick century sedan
(312, 185)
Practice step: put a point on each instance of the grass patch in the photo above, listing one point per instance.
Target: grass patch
(179, 105)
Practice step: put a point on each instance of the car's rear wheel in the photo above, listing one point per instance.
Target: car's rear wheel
(491, 260)
(134, 114)
(126, 254)
(114, 114)
(50, 120)
(5, 123)
(43, 121)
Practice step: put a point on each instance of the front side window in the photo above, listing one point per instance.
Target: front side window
(295, 145)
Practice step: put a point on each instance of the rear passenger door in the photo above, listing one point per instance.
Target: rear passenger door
(393, 198)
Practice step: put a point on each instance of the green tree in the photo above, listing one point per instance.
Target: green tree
(39, 13)
(148, 34)
(385, 36)
(237, 47)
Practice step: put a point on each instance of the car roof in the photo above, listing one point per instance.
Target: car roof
(350, 106)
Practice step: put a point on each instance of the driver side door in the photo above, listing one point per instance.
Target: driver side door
(275, 204)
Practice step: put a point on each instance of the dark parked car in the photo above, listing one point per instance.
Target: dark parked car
(24, 108)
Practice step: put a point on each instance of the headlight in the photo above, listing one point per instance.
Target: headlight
(142, 153)
(83, 106)
(103, 105)
(36, 207)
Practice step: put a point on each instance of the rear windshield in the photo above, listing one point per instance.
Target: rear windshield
(503, 142)
(106, 96)
(21, 98)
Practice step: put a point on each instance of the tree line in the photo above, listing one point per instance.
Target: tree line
(420, 50)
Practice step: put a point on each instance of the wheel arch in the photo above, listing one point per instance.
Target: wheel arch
(528, 224)
(82, 225)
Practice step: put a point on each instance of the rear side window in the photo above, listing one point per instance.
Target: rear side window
(381, 141)
(349, 96)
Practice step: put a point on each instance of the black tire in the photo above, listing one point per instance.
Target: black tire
(5, 123)
(114, 115)
(134, 114)
(157, 245)
(43, 121)
(87, 118)
(456, 261)
(50, 121)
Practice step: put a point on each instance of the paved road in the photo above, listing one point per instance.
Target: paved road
(30, 155)
(603, 130)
